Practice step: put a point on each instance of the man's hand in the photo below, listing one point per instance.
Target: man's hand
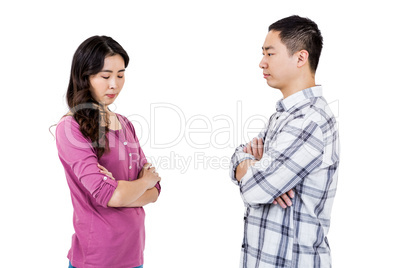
(256, 148)
(284, 200)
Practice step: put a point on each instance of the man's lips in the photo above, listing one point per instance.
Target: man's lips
(266, 75)
(111, 95)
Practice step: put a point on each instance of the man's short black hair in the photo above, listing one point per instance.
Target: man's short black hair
(299, 33)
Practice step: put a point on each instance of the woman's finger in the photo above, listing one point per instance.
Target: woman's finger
(152, 169)
(147, 165)
(102, 168)
(109, 174)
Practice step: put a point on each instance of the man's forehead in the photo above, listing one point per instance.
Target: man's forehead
(272, 40)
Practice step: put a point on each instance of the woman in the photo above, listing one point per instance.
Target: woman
(106, 169)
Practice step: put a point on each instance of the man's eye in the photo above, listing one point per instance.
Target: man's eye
(120, 76)
(105, 77)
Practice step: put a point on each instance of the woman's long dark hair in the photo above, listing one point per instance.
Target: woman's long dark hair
(91, 115)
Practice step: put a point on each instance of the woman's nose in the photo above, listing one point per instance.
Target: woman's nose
(112, 83)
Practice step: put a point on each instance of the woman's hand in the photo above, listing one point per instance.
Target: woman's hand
(149, 174)
(103, 170)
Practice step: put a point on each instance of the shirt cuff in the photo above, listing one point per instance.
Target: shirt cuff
(236, 163)
(158, 187)
(105, 191)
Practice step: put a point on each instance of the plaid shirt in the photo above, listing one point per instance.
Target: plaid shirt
(301, 152)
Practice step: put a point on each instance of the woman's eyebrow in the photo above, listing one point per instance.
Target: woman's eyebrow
(110, 71)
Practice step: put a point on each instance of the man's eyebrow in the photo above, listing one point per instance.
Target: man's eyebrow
(109, 71)
(267, 48)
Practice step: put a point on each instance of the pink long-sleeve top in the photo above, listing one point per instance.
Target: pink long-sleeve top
(104, 237)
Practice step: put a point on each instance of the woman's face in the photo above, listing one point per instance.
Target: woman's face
(107, 84)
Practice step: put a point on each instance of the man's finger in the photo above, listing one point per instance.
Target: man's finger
(286, 199)
(255, 147)
(291, 193)
(260, 145)
(249, 151)
(280, 202)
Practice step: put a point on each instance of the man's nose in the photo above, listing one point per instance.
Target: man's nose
(263, 64)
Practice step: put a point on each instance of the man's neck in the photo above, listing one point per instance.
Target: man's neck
(296, 86)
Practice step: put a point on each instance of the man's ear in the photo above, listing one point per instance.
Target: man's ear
(302, 58)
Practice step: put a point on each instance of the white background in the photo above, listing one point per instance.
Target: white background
(202, 57)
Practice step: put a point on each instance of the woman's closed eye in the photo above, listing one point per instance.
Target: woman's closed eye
(107, 77)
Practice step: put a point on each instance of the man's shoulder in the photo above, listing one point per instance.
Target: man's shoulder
(312, 110)
(319, 111)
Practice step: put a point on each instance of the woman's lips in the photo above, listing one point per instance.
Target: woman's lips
(111, 95)
(266, 75)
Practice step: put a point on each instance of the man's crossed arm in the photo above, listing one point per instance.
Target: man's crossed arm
(256, 148)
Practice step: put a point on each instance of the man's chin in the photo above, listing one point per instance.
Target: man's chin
(272, 85)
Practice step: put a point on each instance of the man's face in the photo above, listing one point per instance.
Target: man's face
(278, 67)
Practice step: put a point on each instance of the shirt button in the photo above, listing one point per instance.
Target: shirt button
(129, 154)
(125, 143)
(129, 167)
(104, 178)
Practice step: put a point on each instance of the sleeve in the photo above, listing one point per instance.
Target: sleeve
(143, 158)
(77, 153)
(239, 156)
(296, 152)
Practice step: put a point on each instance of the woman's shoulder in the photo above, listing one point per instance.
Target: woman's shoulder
(68, 131)
(68, 118)
(67, 124)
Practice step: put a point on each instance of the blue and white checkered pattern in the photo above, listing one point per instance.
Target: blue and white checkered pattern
(301, 152)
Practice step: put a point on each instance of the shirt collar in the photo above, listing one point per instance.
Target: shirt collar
(285, 104)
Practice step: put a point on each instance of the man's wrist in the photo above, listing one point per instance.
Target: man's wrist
(242, 168)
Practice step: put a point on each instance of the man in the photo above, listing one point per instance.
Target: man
(293, 162)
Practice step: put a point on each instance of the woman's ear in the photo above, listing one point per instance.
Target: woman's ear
(302, 58)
